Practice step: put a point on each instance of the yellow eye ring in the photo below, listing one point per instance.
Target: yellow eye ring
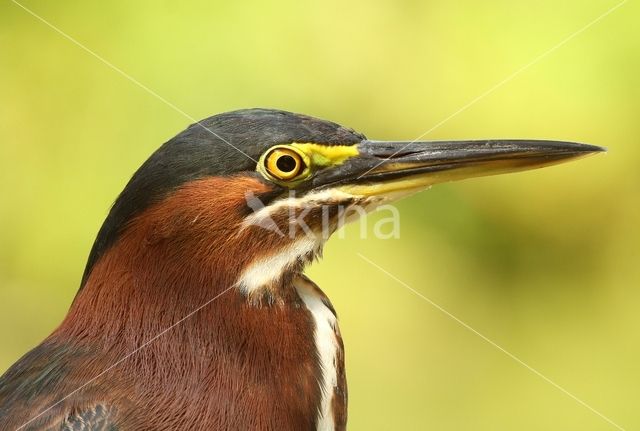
(284, 163)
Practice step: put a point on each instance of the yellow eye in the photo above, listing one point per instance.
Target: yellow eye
(284, 163)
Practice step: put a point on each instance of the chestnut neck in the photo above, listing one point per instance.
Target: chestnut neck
(180, 255)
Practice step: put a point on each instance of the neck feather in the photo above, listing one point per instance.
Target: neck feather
(176, 257)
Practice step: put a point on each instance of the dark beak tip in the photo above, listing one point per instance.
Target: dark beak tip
(566, 147)
(601, 149)
(588, 148)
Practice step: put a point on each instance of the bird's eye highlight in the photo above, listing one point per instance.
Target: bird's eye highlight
(284, 163)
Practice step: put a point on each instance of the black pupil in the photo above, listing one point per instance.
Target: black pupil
(286, 163)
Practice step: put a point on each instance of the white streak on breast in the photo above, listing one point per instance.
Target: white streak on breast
(327, 346)
(267, 269)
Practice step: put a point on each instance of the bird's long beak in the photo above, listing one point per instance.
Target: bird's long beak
(383, 168)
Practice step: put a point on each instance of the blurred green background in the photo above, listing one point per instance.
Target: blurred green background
(545, 263)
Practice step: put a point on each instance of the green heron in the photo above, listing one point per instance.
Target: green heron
(193, 311)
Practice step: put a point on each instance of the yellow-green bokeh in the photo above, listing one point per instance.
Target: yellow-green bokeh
(545, 263)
